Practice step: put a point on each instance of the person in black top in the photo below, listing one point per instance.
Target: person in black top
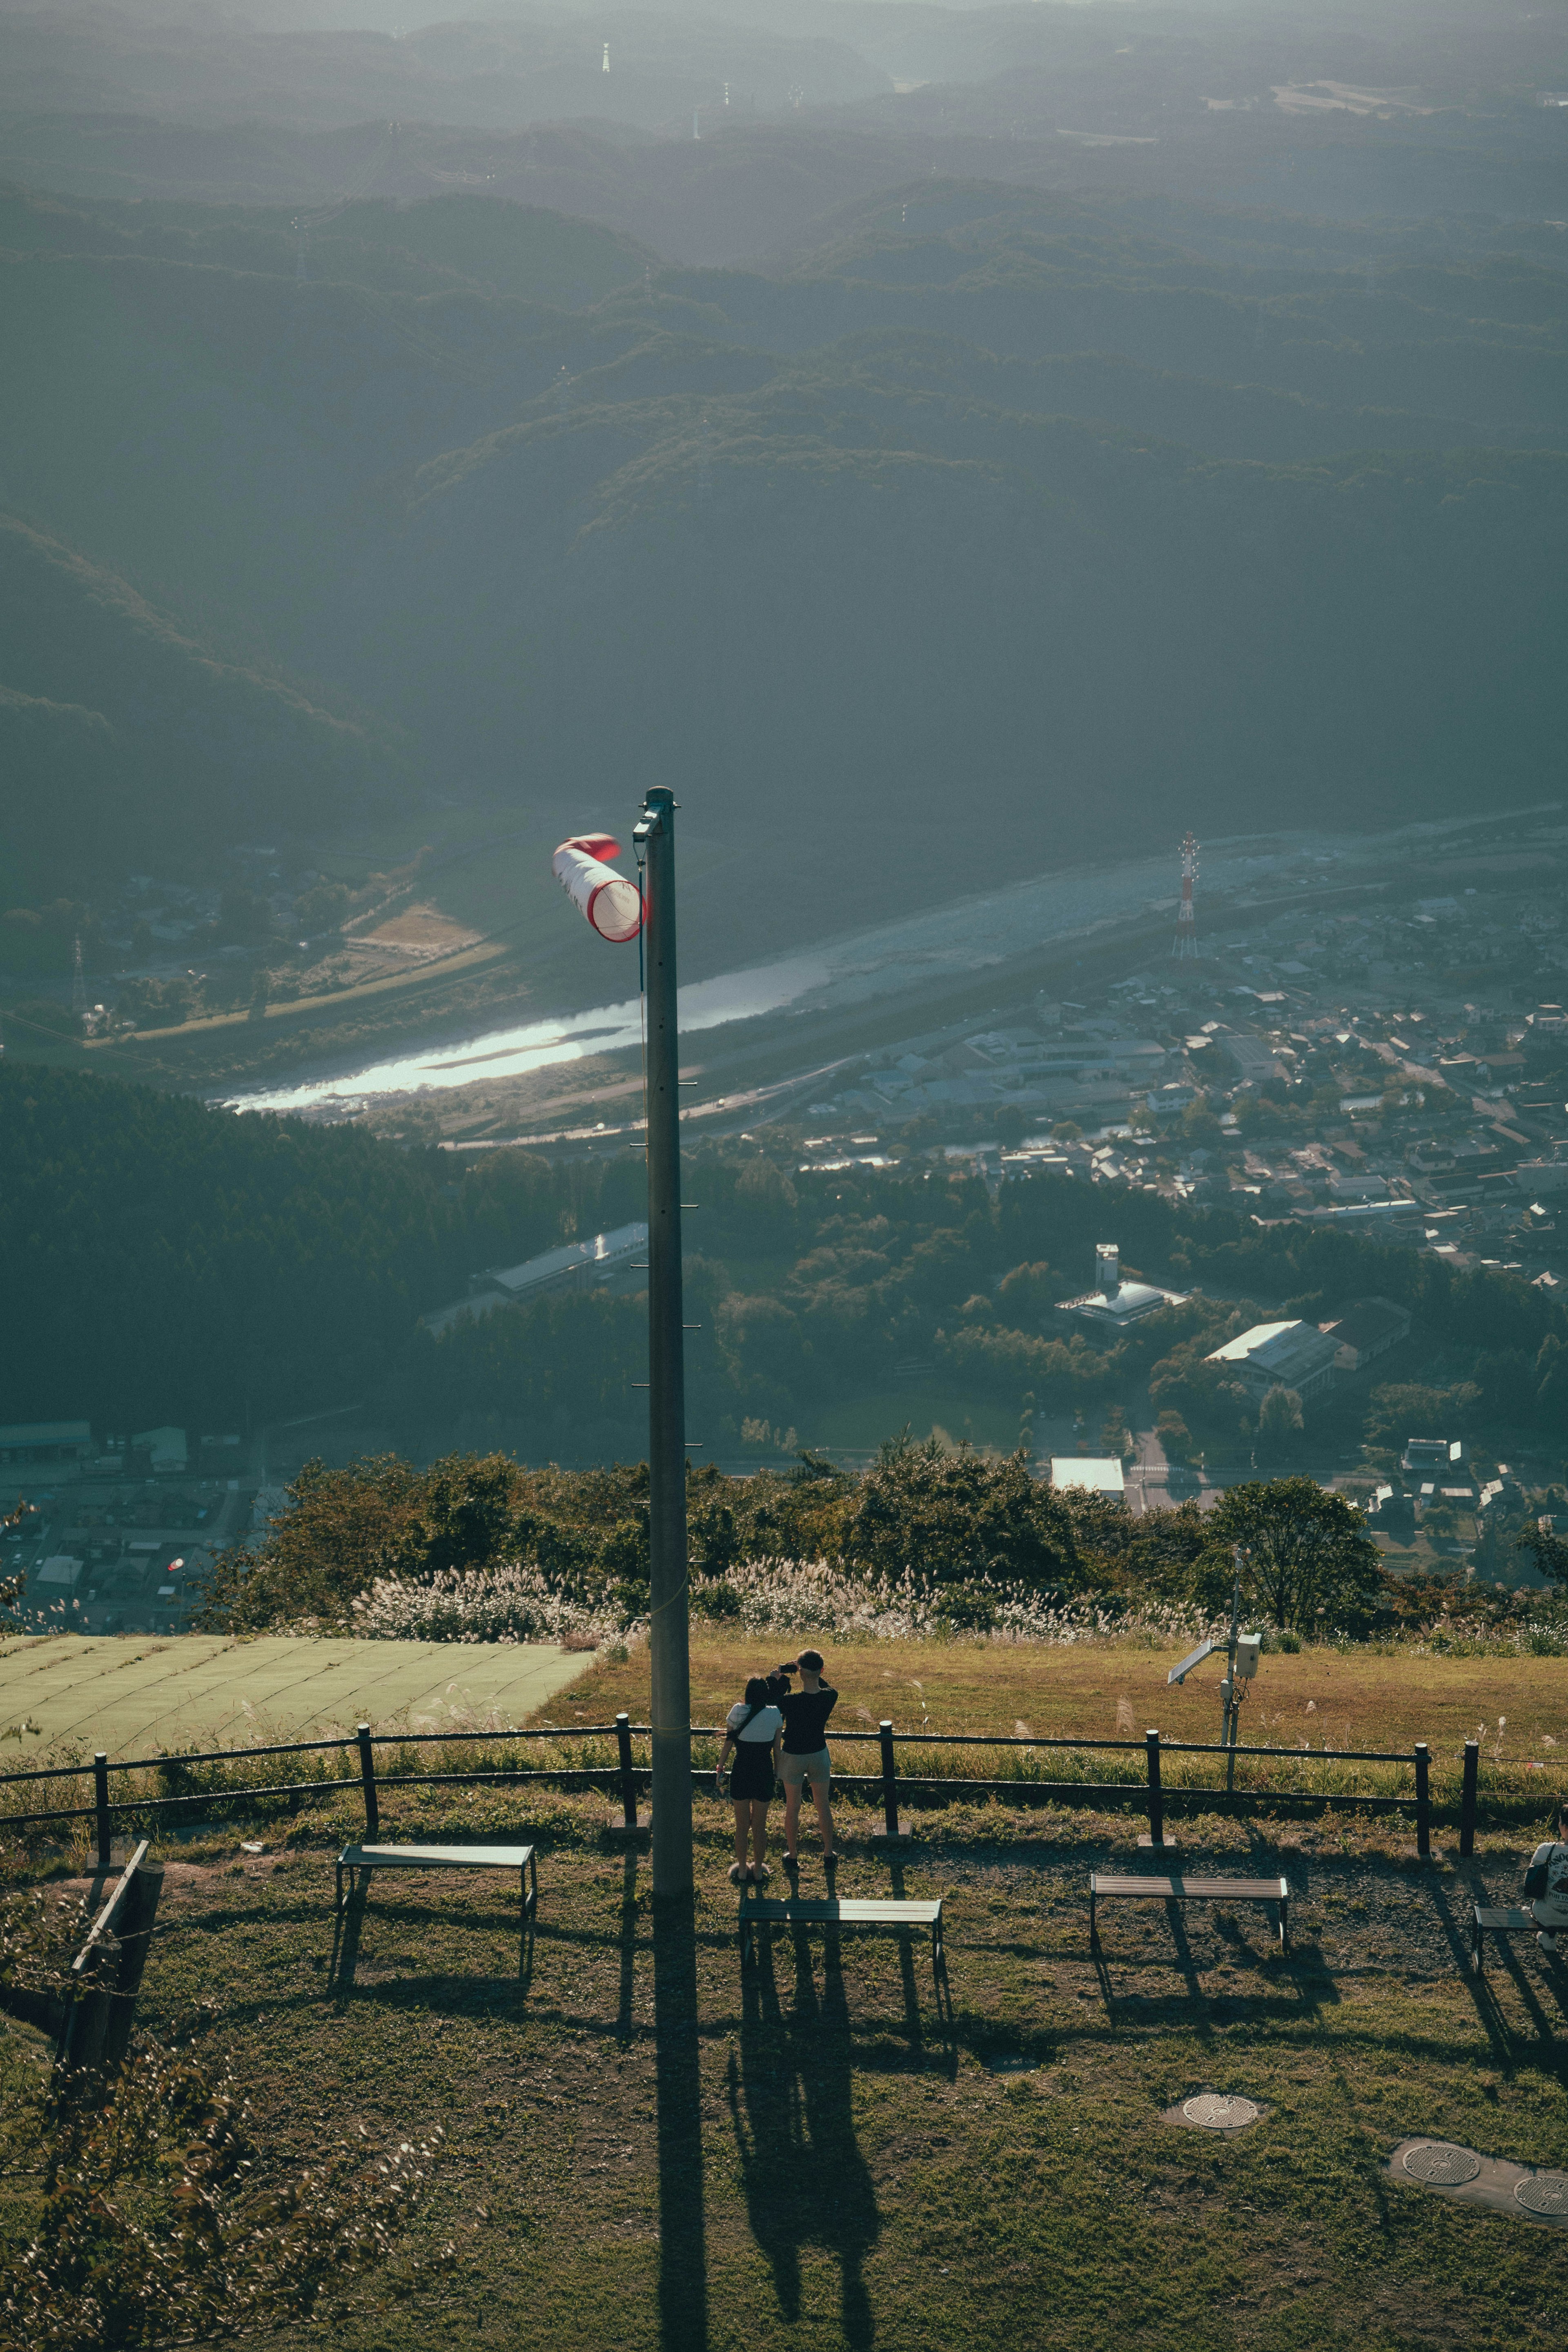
(805, 1759)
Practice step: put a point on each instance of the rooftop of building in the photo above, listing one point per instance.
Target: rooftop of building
(597, 1250)
(1276, 1348)
(1090, 1473)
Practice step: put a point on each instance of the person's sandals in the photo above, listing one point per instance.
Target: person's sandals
(736, 1873)
(759, 1874)
(1547, 1943)
(792, 1865)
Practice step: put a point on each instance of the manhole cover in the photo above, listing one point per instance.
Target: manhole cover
(1544, 2192)
(1445, 2168)
(1217, 2114)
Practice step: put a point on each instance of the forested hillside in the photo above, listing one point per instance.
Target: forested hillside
(169, 1262)
(1103, 514)
(124, 739)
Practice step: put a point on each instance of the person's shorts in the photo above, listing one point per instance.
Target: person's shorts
(752, 1773)
(795, 1769)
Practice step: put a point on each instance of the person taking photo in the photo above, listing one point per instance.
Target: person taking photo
(805, 1762)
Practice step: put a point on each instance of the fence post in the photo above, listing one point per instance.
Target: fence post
(1157, 1798)
(100, 1803)
(889, 1782)
(135, 1937)
(1423, 1800)
(628, 1778)
(367, 1774)
(1468, 1800)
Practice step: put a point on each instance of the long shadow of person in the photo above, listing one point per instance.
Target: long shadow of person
(792, 2104)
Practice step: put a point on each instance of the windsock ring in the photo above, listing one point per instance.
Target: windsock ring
(607, 900)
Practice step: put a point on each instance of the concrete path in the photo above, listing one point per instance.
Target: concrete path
(135, 1695)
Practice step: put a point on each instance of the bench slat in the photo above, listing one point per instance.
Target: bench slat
(1203, 1890)
(434, 1857)
(848, 1912)
(1505, 1917)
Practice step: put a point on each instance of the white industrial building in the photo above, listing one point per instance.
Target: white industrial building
(582, 1265)
(1090, 1473)
(45, 1441)
(1279, 1355)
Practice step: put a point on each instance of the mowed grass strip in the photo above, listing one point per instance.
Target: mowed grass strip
(645, 2148)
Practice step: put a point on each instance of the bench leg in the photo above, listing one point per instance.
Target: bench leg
(1285, 1924)
(1478, 1955)
(1093, 1923)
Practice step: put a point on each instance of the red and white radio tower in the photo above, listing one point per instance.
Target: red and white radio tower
(1186, 943)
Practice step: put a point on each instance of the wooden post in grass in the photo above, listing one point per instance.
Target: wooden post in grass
(134, 1927)
(1468, 1800)
(101, 1807)
(1157, 1797)
(1423, 1800)
(890, 1830)
(628, 1778)
(367, 1775)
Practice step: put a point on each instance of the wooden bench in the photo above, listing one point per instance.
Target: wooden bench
(367, 1858)
(1503, 1919)
(1104, 1888)
(832, 1911)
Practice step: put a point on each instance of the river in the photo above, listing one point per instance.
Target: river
(965, 935)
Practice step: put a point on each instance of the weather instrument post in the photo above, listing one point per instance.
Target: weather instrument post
(618, 911)
(669, 1630)
(1241, 1653)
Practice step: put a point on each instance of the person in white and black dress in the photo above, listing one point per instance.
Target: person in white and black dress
(752, 1731)
(805, 1760)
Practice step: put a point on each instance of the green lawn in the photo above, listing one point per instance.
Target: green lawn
(649, 2148)
(645, 2148)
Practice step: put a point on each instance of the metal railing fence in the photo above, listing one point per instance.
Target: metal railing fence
(1152, 1775)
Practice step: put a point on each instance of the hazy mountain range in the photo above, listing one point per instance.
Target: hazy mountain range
(1099, 510)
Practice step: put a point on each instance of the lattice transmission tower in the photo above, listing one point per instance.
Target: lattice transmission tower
(1186, 943)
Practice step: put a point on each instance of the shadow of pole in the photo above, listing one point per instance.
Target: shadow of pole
(346, 1925)
(682, 2239)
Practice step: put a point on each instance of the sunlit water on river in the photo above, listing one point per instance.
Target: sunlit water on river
(953, 940)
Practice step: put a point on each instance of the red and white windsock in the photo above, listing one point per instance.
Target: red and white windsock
(612, 904)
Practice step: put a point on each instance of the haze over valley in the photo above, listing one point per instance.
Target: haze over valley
(959, 451)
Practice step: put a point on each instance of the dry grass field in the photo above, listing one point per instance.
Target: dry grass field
(1344, 1698)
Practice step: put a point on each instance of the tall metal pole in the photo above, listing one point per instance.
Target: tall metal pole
(668, 1631)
